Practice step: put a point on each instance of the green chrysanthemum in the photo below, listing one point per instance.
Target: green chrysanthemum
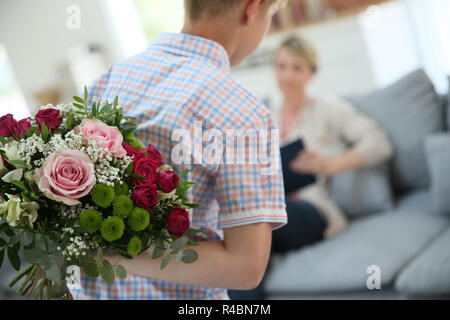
(103, 195)
(139, 219)
(134, 246)
(112, 228)
(97, 238)
(121, 189)
(91, 220)
(122, 206)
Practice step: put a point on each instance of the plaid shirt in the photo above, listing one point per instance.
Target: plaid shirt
(178, 80)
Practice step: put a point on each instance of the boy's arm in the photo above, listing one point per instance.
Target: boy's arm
(238, 262)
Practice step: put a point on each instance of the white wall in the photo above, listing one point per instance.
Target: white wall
(37, 41)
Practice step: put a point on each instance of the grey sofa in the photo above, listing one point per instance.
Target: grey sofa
(399, 212)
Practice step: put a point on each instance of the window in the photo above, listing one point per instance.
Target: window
(160, 16)
(11, 98)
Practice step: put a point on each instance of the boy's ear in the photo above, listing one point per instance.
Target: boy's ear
(251, 10)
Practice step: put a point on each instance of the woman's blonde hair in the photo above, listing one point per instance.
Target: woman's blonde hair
(196, 9)
(302, 48)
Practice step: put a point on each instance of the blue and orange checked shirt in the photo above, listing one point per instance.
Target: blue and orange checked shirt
(178, 81)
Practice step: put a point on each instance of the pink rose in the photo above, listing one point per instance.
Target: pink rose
(168, 181)
(145, 196)
(66, 176)
(109, 138)
(147, 168)
(51, 117)
(8, 126)
(178, 221)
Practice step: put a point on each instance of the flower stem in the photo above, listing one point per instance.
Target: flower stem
(27, 279)
(20, 275)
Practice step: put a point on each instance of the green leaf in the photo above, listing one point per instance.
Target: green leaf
(166, 258)
(34, 256)
(107, 272)
(69, 122)
(191, 205)
(16, 247)
(193, 231)
(78, 99)
(79, 106)
(2, 254)
(130, 169)
(2, 242)
(19, 184)
(44, 131)
(121, 272)
(13, 258)
(137, 177)
(116, 102)
(17, 163)
(10, 233)
(189, 256)
(90, 269)
(86, 95)
(183, 174)
(179, 244)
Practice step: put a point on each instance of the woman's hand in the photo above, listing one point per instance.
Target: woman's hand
(310, 161)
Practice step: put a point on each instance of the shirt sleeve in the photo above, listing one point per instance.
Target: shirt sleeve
(252, 191)
(363, 133)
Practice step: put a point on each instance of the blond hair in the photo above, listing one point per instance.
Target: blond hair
(196, 9)
(302, 48)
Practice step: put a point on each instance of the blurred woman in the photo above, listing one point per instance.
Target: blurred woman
(337, 138)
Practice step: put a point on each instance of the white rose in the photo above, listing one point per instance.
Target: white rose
(11, 150)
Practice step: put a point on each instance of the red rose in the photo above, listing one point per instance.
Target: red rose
(8, 126)
(51, 117)
(153, 154)
(145, 196)
(24, 125)
(131, 151)
(168, 181)
(178, 221)
(147, 168)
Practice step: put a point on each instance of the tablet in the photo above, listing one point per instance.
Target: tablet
(294, 181)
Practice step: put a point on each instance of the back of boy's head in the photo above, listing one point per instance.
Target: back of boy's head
(196, 9)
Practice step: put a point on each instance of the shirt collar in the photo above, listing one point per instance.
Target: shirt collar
(194, 47)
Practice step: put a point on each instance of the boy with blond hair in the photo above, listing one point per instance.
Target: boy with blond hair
(182, 79)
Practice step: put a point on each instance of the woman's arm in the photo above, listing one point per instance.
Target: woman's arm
(238, 262)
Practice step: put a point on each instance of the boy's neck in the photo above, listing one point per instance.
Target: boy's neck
(216, 31)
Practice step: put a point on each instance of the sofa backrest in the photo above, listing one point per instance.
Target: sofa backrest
(409, 110)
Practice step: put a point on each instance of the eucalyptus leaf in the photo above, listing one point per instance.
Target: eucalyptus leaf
(26, 238)
(34, 256)
(46, 263)
(179, 244)
(99, 257)
(189, 256)
(166, 258)
(90, 269)
(107, 272)
(178, 257)
(121, 272)
(54, 273)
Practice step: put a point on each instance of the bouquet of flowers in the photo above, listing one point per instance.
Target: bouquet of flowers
(74, 181)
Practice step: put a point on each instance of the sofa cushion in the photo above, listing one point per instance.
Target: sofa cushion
(447, 102)
(438, 156)
(409, 110)
(363, 192)
(388, 240)
(429, 273)
(419, 200)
